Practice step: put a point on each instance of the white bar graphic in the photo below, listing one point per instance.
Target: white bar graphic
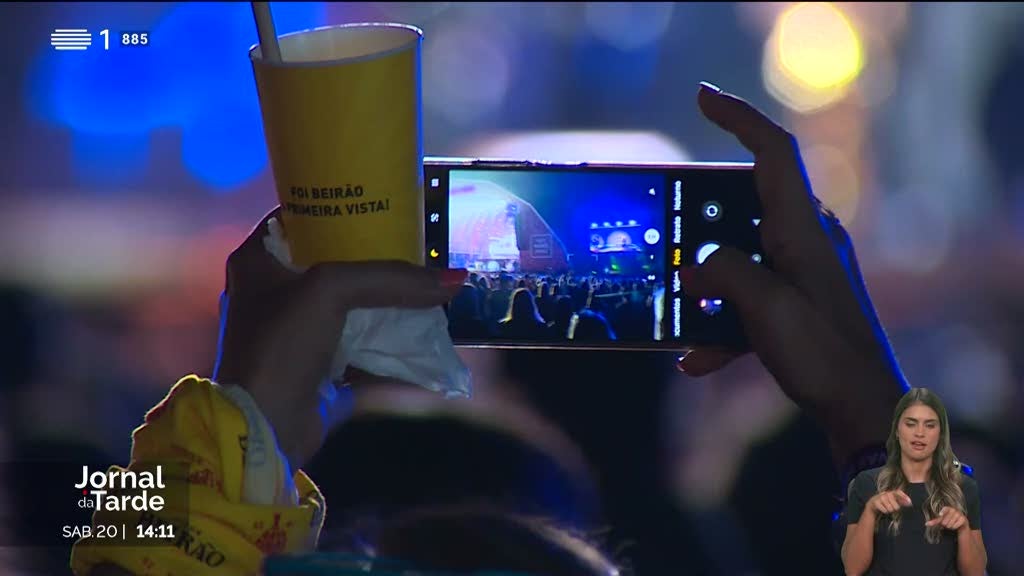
(70, 39)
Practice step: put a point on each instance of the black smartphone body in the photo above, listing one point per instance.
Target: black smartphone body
(587, 255)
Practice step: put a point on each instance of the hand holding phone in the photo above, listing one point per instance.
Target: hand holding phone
(587, 255)
(809, 318)
(783, 280)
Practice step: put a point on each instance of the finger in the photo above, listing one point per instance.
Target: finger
(384, 284)
(795, 231)
(732, 275)
(779, 323)
(903, 498)
(703, 361)
(953, 519)
(755, 131)
(946, 517)
(304, 333)
(336, 403)
(254, 241)
(782, 185)
(362, 380)
(933, 521)
(252, 260)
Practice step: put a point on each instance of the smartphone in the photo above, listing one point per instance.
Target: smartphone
(587, 255)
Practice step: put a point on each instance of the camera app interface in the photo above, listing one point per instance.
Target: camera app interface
(557, 255)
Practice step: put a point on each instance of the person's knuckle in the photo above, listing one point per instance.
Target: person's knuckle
(828, 215)
(789, 142)
(322, 286)
(234, 257)
(392, 270)
(237, 258)
(319, 274)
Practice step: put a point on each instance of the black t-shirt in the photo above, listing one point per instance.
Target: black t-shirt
(908, 553)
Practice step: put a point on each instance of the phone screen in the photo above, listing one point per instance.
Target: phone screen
(586, 255)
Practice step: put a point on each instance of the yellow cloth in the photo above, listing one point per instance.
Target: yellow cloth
(197, 427)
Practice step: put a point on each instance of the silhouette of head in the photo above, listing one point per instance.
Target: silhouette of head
(376, 468)
(523, 307)
(590, 326)
(507, 281)
(466, 304)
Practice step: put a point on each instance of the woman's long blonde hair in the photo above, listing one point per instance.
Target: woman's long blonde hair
(943, 480)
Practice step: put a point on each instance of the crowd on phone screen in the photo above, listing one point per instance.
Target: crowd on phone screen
(550, 308)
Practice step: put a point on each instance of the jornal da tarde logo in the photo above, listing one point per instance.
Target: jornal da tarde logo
(101, 490)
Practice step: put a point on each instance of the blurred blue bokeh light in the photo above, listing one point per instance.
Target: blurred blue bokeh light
(195, 76)
(110, 160)
(619, 78)
(223, 145)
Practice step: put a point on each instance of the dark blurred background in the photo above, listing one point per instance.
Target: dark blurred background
(127, 175)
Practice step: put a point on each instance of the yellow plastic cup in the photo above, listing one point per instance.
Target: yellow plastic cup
(342, 117)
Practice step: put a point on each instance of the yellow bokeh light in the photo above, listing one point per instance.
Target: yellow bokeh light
(796, 95)
(818, 46)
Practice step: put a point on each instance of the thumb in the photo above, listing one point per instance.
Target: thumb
(937, 519)
(732, 275)
(777, 321)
